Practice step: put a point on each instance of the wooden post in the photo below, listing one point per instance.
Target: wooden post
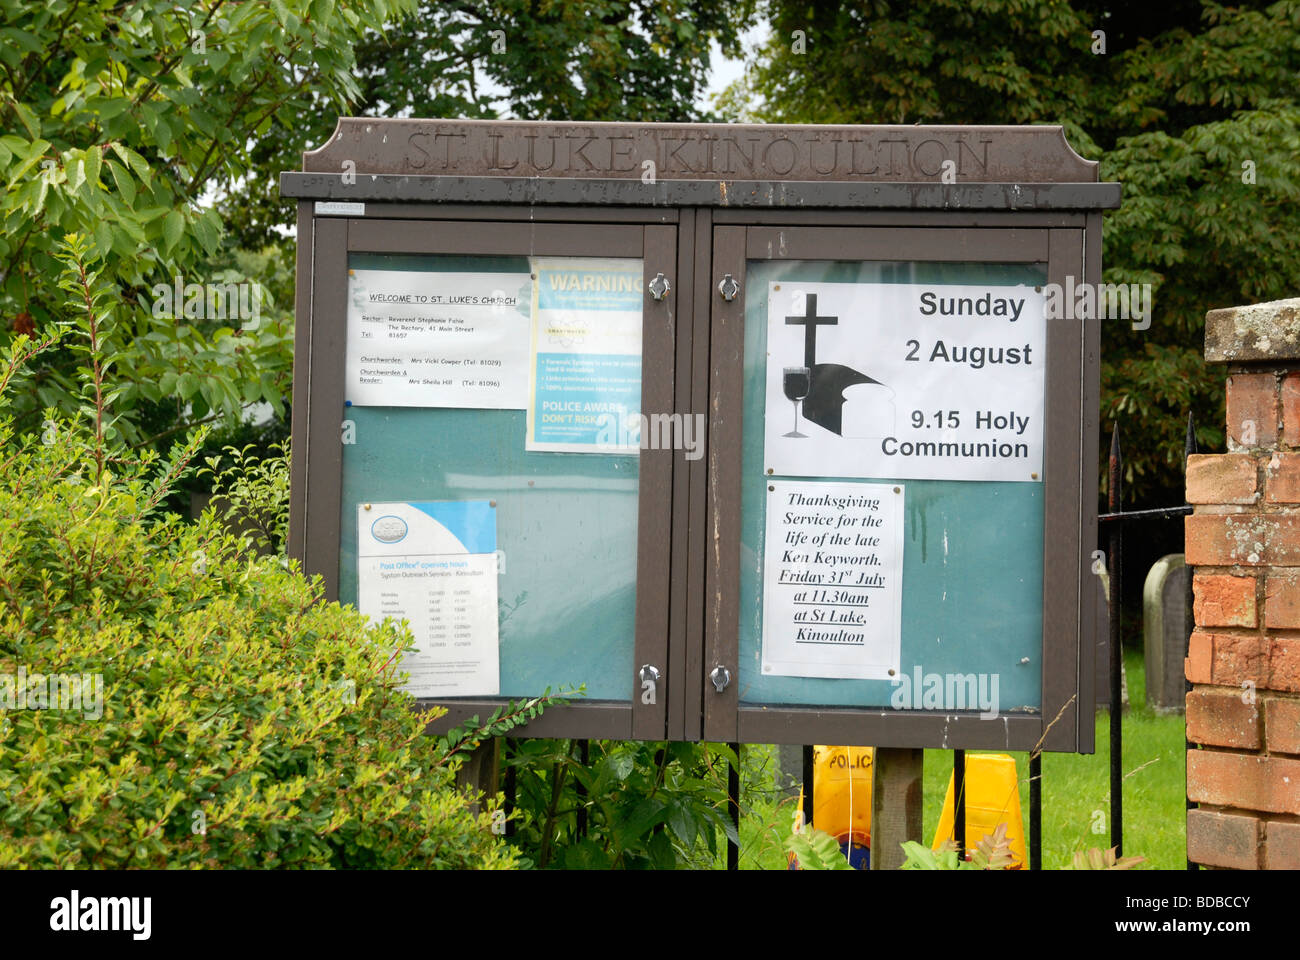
(479, 771)
(895, 804)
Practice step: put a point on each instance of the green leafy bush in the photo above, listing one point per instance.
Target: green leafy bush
(646, 805)
(239, 721)
(251, 493)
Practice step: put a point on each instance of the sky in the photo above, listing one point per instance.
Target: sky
(723, 70)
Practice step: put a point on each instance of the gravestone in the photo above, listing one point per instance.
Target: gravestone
(1102, 669)
(1164, 630)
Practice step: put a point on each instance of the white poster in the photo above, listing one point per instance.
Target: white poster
(427, 339)
(434, 564)
(584, 391)
(907, 380)
(832, 580)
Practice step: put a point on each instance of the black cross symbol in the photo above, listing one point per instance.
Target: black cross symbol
(810, 322)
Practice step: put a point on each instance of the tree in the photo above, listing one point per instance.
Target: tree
(119, 119)
(160, 131)
(1191, 105)
(634, 60)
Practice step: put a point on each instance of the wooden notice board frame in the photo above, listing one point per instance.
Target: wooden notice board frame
(697, 202)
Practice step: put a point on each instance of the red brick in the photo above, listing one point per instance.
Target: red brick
(1238, 659)
(1281, 845)
(1200, 657)
(1283, 664)
(1220, 718)
(1227, 539)
(1282, 725)
(1223, 839)
(1220, 478)
(1282, 474)
(1223, 601)
(1282, 602)
(1291, 409)
(1243, 780)
(1252, 409)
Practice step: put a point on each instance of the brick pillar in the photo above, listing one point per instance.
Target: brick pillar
(1244, 657)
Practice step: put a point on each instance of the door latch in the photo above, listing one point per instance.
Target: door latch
(660, 286)
(720, 676)
(649, 676)
(729, 287)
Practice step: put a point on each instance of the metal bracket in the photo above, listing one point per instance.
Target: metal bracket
(729, 287)
(720, 676)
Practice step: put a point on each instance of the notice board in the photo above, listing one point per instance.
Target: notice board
(755, 433)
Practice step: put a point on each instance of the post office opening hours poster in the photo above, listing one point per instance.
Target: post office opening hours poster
(434, 564)
(905, 380)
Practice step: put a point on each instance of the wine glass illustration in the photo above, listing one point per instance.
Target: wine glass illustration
(796, 383)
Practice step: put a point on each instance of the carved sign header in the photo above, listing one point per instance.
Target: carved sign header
(970, 154)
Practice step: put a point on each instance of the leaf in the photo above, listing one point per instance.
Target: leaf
(816, 850)
(123, 181)
(993, 852)
(680, 822)
(173, 228)
(662, 855)
(1097, 859)
(76, 174)
(27, 118)
(103, 239)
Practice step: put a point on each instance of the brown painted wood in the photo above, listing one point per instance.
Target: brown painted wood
(979, 219)
(495, 239)
(297, 541)
(896, 804)
(678, 585)
(324, 446)
(1063, 551)
(654, 520)
(698, 151)
(1089, 497)
(538, 213)
(601, 719)
(697, 524)
(862, 726)
(722, 534)
(943, 244)
(478, 773)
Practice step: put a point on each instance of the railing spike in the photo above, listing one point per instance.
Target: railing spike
(1189, 445)
(1116, 488)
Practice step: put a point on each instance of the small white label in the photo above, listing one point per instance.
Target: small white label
(326, 208)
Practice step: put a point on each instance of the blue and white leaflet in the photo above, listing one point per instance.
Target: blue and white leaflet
(434, 564)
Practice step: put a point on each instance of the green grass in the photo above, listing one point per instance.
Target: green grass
(1075, 793)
